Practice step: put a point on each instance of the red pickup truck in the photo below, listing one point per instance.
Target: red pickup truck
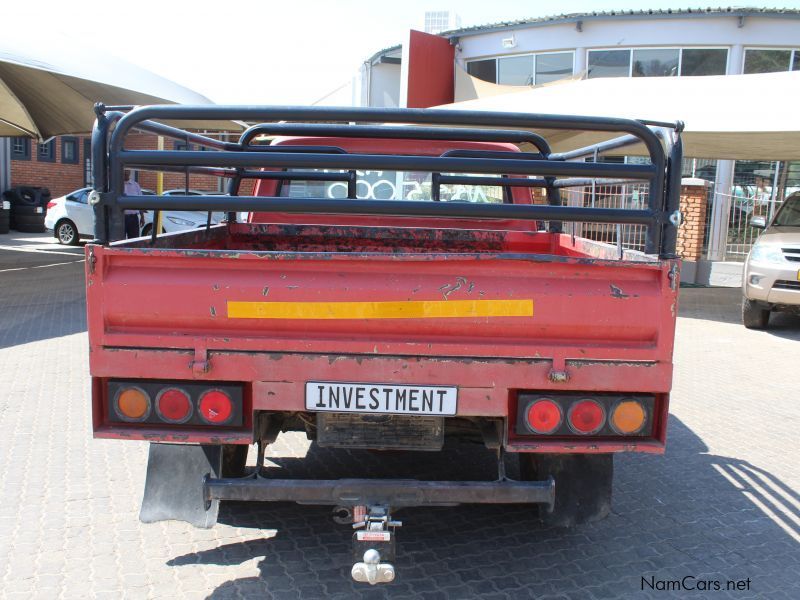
(404, 277)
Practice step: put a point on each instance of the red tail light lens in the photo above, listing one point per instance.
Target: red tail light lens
(544, 416)
(50, 205)
(174, 406)
(586, 416)
(215, 407)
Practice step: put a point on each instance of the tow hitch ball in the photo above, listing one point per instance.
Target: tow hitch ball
(373, 542)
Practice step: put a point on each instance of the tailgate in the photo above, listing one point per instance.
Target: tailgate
(483, 304)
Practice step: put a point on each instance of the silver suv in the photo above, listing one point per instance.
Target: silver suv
(772, 271)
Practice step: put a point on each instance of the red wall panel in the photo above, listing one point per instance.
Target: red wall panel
(430, 70)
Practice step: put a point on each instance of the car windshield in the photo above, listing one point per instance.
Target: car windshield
(789, 214)
(392, 185)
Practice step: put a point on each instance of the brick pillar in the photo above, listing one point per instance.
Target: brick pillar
(694, 201)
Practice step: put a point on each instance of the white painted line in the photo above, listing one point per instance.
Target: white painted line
(37, 251)
(69, 262)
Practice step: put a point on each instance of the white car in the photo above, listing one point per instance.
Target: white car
(70, 217)
(173, 220)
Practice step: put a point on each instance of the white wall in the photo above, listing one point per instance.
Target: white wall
(626, 32)
(384, 84)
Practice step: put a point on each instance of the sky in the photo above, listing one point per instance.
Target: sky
(267, 52)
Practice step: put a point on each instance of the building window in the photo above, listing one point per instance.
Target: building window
(658, 62)
(20, 148)
(47, 151)
(609, 63)
(523, 69)
(554, 66)
(88, 180)
(483, 69)
(182, 146)
(69, 151)
(655, 62)
(704, 61)
(515, 70)
(769, 61)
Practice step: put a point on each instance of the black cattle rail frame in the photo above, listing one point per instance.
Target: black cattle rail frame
(244, 160)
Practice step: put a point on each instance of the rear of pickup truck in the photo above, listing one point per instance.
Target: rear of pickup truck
(368, 324)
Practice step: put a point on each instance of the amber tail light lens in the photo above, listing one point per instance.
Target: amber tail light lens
(628, 417)
(132, 404)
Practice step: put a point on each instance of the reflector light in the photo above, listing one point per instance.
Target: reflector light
(586, 416)
(544, 416)
(133, 404)
(215, 407)
(173, 405)
(628, 417)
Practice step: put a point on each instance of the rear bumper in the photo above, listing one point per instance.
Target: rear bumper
(397, 493)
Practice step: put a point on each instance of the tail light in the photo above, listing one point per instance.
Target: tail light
(571, 414)
(544, 416)
(174, 405)
(50, 205)
(215, 407)
(586, 417)
(132, 404)
(189, 403)
(628, 417)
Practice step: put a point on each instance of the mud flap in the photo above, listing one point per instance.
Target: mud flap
(174, 485)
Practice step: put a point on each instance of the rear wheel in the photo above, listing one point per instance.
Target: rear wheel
(754, 315)
(583, 485)
(67, 233)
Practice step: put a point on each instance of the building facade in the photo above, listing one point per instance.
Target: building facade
(64, 164)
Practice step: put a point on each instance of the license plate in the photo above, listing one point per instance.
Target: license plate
(377, 398)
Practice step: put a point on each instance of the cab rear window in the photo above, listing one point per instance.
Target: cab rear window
(392, 185)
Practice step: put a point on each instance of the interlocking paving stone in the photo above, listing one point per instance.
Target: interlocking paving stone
(721, 503)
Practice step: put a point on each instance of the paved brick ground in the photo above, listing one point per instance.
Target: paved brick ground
(720, 505)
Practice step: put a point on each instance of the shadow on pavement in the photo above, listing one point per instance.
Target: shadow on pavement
(686, 513)
(45, 298)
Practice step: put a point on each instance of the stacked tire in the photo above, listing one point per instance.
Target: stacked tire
(5, 215)
(28, 208)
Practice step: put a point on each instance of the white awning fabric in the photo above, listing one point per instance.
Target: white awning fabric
(50, 89)
(743, 117)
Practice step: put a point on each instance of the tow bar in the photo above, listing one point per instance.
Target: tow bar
(375, 537)
(366, 505)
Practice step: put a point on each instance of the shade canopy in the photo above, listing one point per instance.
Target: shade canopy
(48, 87)
(743, 117)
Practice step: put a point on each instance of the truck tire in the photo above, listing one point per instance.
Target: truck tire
(234, 460)
(754, 315)
(583, 485)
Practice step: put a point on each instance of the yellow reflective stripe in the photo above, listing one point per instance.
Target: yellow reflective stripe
(418, 309)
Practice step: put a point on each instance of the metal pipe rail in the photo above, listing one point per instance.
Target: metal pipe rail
(241, 160)
(528, 212)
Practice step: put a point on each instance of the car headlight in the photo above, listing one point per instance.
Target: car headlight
(179, 221)
(765, 253)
